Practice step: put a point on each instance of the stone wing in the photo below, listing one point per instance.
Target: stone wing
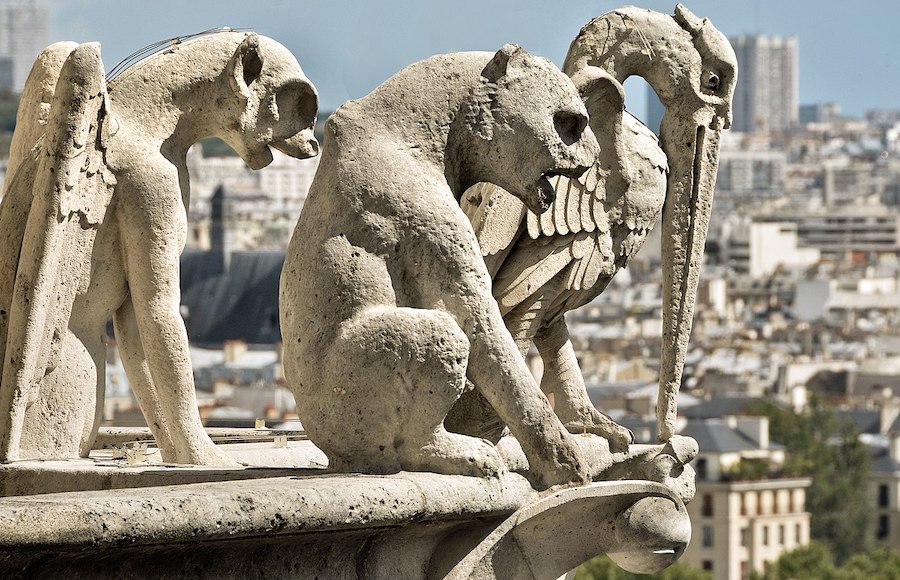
(64, 186)
(569, 240)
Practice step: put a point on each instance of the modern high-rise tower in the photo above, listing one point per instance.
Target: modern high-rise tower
(766, 96)
(23, 34)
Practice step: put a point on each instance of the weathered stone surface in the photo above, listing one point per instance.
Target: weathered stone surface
(93, 220)
(386, 306)
(639, 523)
(545, 264)
(409, 525)
(132, 467)
(387, 311)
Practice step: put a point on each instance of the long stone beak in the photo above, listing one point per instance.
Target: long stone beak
(303, 145)
(693, 153)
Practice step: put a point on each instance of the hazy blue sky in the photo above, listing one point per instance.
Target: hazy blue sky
(849, 51)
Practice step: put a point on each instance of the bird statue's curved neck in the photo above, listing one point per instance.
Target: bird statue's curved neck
(625, 43)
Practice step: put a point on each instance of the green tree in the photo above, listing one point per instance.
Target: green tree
(838, 464)
(815, 561)
(883, 564)
(811, 561)
(602, 568)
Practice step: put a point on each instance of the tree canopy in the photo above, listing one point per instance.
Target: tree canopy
(602, 568)
(815, 561)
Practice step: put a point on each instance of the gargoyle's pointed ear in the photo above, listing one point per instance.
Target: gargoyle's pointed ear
(599, 90)
(500, 63)
(686, 19)
(245, 66)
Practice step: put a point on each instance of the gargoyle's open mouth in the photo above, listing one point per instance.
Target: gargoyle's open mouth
(546, 191)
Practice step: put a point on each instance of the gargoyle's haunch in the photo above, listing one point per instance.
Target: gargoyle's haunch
(93, 221)
(386, 305)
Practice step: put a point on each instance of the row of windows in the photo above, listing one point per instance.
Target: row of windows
(709, 535)
(707, 507)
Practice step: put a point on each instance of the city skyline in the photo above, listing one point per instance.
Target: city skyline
(348, 48)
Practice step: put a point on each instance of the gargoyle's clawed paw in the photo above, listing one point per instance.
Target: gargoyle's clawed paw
(209, 456)
(597, 423)
(562, 473)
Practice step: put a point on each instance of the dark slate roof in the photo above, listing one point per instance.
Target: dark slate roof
(241, 303)
(719, 407)
(864, 420)
(882, 462)
(645, 430)
(597, 392)
(713, 435)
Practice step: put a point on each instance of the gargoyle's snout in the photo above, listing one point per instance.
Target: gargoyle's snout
(303, 145)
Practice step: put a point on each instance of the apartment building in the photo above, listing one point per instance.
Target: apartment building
(744, 516)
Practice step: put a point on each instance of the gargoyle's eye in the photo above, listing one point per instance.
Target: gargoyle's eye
(569, 125)
(710, 81)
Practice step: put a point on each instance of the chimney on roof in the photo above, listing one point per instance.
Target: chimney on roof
(220, 234)
(888, 413)
(232, 350)
(756, 428)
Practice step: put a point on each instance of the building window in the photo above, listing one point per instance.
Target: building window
(765, 538)
(743, 497)
(707, 509)
(884, 527)
(798, 533)
(883, 496)
(707, 536)
(791, 507)
(782, 535)
(708, 565)
(701, 468)
(745, 537)
(745, 569)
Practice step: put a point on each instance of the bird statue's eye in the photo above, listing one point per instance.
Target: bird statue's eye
(710, 81)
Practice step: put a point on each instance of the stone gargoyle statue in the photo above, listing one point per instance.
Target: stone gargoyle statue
(386, 304)
(93, 221)
(545, 264)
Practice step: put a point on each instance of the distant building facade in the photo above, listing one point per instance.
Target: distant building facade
(759, 248)
(742, 524)
(766, 95)
(820, 113)
(23, 34)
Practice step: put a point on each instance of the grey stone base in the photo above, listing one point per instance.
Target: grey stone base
(104, 518)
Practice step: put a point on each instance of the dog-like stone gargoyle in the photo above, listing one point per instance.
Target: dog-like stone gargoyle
(386, 304)
(93, 222)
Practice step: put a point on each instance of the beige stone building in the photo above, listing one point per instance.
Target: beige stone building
(743, 518)
(884, 482)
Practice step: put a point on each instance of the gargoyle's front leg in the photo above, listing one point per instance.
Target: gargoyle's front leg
(500, 373)
(153, 225)
(562, 377)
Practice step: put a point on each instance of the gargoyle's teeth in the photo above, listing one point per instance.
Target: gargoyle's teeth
(573, 172)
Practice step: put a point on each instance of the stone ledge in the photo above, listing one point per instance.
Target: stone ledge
(239, 509)
(408, 525)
